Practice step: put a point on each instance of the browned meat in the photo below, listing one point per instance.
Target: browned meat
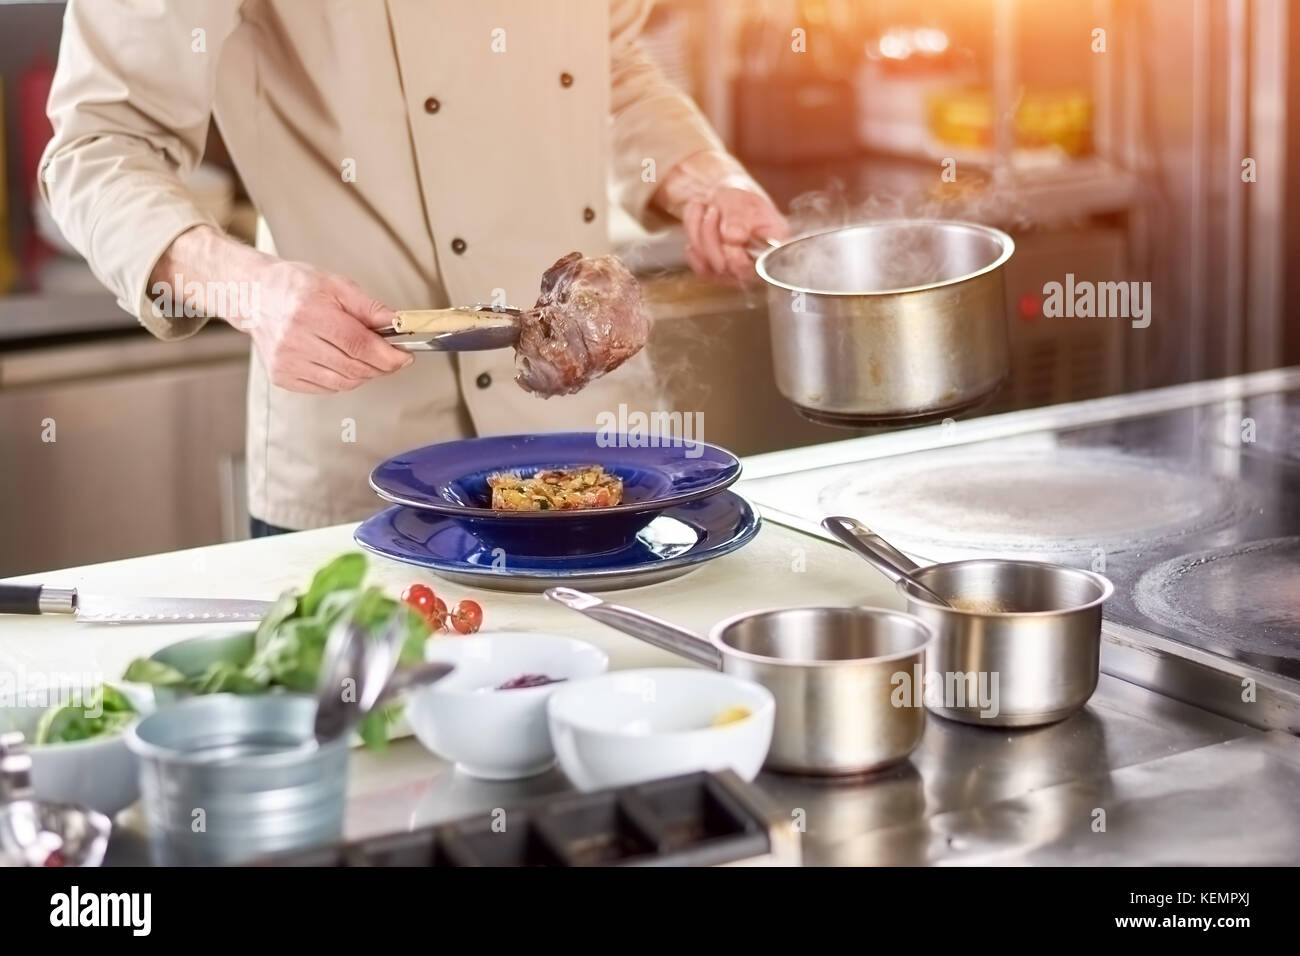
(588, 321)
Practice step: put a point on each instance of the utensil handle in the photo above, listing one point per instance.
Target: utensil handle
(879, 553)
(439, 321)
(760, 246)
(642, 626)
(418, 675)
(36, 599)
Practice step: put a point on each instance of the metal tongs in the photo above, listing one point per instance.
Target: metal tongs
(359, 673)
(473, 328)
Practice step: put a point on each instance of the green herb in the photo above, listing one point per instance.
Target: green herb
(289, 643)
(105, 711)
(145, 670)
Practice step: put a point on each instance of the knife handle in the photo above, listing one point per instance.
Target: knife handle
(36, 599)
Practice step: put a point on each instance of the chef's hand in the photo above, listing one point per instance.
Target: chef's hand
(725, 214)
(314, 331)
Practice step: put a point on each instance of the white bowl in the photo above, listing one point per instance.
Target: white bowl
(99, 773)
(635, 725)
(490, 733)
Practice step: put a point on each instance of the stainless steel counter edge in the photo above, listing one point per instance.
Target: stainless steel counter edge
(967, 431)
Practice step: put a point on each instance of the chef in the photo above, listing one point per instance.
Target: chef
(401, 154)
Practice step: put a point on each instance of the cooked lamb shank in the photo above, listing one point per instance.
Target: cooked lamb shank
(588, 321)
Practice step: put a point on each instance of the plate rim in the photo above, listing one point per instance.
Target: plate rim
(737, 541)
(625, 509)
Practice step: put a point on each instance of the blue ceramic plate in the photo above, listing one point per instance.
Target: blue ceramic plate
(672, 543)
(450, 479)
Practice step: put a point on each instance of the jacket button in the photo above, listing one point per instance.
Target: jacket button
(484, 380)
(458, 246)
(431, 105)
(566, 79)
(588, 214)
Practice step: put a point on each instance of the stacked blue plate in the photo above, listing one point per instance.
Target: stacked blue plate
(676, 512)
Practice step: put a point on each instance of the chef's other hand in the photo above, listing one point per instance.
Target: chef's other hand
(314, 331)
(725, 214)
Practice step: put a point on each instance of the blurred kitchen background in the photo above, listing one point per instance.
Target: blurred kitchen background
(1112, 155)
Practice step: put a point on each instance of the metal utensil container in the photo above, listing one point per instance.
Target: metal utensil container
(225, 778)
(887, 322)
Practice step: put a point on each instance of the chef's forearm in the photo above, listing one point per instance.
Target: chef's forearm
(654, 124)
(203, 259)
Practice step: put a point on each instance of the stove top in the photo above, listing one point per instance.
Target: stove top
(1188, 499)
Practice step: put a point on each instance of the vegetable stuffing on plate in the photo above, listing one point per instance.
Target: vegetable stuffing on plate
(289, 643)
(556, 489)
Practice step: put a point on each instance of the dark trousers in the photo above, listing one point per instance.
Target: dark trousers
(258, 528)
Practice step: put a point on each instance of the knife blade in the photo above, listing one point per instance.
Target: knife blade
(103, 609)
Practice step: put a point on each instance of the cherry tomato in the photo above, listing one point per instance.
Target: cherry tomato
(437, 616)
(424, 601)
(466, 617)
(414, 592)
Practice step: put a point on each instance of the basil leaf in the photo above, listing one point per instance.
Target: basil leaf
(374, 730)
(144, 670)
(347, 571)
(285, 606)
(223, 677)
(81, 721)
(335, 605)
(417, 632)
(114, 701)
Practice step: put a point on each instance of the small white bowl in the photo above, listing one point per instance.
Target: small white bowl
(635, 725)
(99, 773)
(489, 733)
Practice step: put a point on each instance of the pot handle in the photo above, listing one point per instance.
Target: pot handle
(644, 627)
(760, 246)
(879, 553)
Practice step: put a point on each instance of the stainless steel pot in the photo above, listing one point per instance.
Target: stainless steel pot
(841, 705)
(251, 765)
(889, 321)
(1020, 644)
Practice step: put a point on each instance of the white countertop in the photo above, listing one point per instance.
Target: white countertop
(779, 567)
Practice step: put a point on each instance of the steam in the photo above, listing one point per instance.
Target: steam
(896, 258)
(675, 373)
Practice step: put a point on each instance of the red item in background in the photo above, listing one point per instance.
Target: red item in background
(1030, 305)
(34, 130)
(31, 93)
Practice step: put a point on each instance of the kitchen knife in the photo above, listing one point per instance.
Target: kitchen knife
(95, 609)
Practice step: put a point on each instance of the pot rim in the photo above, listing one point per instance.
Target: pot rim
(726, 650)
(1007, 243)
(1103, 582)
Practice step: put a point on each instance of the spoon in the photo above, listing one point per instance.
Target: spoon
(464, 329)
(882, 555)
(359, 673)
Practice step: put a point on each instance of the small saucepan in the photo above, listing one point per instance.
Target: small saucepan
(1016, 643)
(841, 705)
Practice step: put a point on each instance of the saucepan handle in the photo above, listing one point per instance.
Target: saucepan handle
(878, 552)
(642, 626)
(760, 246)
